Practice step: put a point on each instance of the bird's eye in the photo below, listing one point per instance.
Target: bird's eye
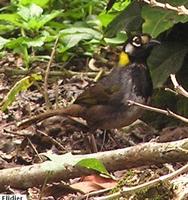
(136, 41)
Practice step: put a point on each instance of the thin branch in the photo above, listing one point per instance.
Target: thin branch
(158, 110)
(181, 10)
(34, 149)
(145, 185)
(94, 193)
(46, 97)
(177, 87)
(170, 90)
(54, 141)
(63, 73)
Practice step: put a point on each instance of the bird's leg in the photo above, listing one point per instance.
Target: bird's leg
(93, 143)
(90, 143)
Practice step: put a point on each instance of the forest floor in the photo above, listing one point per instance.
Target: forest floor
(59, 135)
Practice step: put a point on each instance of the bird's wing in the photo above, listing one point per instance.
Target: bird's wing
(107, 91)
(98, 94)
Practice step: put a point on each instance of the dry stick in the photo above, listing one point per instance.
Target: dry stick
(42, 189)
(54, 141)
(94, 193)
(46, 97)
(35, 150)
(64, 73)
(177, 87)
(181, 10)
(145, 185)
(158, 110)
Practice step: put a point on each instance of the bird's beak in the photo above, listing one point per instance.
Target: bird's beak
(154, 42)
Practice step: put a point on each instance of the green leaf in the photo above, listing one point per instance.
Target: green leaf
(25, 41)
(129, 20)
(40, 3)
(11, 18)
(72, 36)
(117, 5)
(20, 86)
(35, 42)
(93, 163)
(3, 41)
(4, 29)
(164, 60)
(89, 31)
(119, 39)
(72, 40)
(106, 18)
(37, 23)
(158, 20)
(47, 17)
(16, 43)
(30, 12)
(32, 17)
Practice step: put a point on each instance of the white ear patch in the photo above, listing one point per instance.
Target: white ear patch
(136, 41)
(136, 44)
(129, 48)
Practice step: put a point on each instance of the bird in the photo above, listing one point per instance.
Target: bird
(105, 104)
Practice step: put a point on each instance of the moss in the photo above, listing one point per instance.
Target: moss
(162, 191)
(126, 180)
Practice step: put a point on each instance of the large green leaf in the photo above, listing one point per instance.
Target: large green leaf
(72, 36)
(72, 40)
(129, 19)
(158, 20)
(166, 59)
(120, 38)
(106, 18)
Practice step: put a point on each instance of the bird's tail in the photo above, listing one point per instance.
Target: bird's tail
(74, 110)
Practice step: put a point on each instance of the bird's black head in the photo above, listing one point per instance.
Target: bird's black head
(138, 47)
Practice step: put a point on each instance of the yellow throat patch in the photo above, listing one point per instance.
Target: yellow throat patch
(123, 59)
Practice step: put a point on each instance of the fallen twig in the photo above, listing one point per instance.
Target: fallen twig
(8, 71)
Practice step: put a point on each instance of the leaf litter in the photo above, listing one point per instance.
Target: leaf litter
(23, 147)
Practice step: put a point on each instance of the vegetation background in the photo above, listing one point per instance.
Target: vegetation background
(51, 49)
